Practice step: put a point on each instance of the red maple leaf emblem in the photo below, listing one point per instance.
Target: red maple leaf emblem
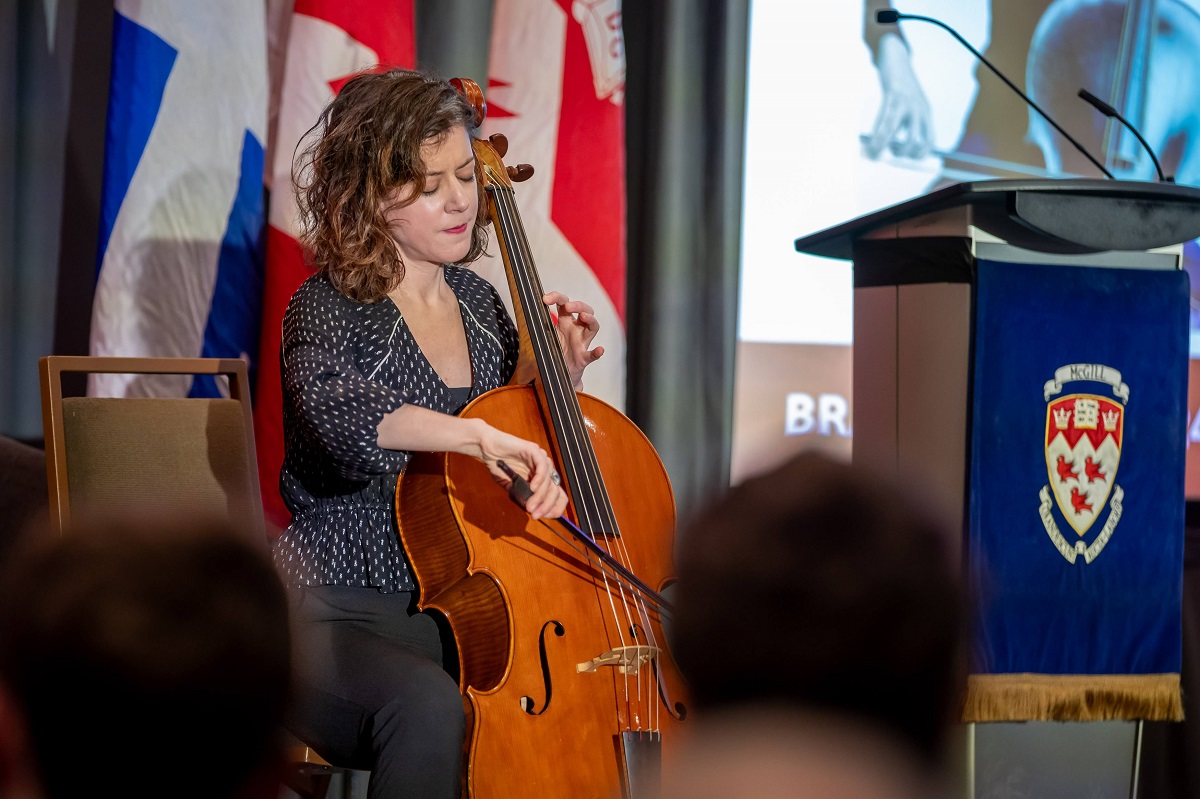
(495, 111)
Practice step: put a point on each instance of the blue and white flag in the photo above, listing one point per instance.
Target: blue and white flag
(180, 266)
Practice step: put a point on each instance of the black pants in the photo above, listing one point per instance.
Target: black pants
(372, 693)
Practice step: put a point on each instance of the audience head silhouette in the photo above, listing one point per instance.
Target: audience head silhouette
(816, 590)
(153, 655)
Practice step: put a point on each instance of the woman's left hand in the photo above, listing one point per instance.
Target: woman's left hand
(577, 326)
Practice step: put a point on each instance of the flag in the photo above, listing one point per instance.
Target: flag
(1076, 492)
(328, 42)
(556, 89)
(179, 265)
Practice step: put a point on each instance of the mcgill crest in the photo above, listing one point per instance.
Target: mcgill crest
(1084, 436)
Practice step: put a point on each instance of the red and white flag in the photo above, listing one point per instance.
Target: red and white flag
(556, 89)
(328, 42)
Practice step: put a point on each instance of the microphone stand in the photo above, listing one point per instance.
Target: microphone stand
(1109, 111)
(891, 16)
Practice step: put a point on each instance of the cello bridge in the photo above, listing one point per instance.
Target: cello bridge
(627, 659)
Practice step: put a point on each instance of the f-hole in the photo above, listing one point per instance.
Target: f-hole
(527, 701)
(677, 709)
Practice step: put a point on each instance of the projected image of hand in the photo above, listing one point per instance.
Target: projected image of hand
(905, 121)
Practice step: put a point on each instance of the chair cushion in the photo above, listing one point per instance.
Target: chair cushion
(159, 455)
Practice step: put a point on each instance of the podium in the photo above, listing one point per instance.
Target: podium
(1021, 348)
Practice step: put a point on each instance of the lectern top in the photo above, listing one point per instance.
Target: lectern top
(1074, 215)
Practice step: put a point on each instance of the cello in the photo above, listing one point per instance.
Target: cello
(568, 685)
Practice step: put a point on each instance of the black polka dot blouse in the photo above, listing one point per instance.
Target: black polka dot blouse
(345, 365)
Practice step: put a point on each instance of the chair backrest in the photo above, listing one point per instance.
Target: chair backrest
(114, 454)
(185, 455)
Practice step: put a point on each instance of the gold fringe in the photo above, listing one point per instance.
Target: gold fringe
(1072, 697)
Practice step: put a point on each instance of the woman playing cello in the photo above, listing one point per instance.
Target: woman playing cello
(381, 347)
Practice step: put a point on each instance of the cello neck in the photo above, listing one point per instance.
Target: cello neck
(540, 348)
(1130, 82)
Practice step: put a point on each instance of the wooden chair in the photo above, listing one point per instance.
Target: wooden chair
(180, 455)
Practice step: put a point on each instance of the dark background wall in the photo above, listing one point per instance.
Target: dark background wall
(43, 176)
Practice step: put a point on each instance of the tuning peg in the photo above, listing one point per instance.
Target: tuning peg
(520, 173)
(499, 143)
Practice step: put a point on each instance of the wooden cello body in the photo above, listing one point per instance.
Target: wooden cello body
(568, 684)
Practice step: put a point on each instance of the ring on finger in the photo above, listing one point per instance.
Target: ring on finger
(555, 478)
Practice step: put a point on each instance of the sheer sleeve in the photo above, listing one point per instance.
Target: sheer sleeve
(336, 407)
(872, 31)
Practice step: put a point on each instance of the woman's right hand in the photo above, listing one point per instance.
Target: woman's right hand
(531, 462)
(416, 429)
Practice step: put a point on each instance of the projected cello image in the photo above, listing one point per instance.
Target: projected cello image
(904, 109)
(1112, 48)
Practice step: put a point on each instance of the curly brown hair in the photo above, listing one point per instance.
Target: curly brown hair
(369, 144)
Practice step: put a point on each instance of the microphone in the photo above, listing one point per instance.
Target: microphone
(1111, 113)
(890, 16)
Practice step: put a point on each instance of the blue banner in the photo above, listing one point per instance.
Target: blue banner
(1077, 469)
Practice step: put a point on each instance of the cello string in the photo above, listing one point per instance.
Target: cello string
(518, 251)
(622, 550)
(537, 324)
(571, 413)
(573, 439)
(525, 280)
(555, 389)
(648, 632)
(633, 634)
(556, 354)
(653, 710)
(604, 573)
(652, 640)
(623, 554)
(659, 685)
(614, 567)
(587, 475)
(620, 631)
